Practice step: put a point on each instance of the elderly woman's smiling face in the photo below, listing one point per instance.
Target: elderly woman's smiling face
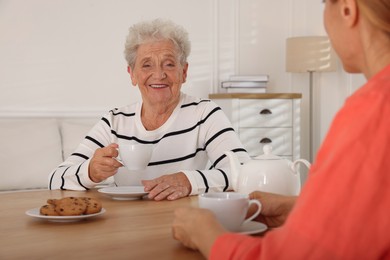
(158, 73)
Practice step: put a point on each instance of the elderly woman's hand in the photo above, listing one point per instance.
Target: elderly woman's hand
(103, 163)
(171, 187)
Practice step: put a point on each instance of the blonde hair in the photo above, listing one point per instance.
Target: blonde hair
(377, 12)
(153, 31)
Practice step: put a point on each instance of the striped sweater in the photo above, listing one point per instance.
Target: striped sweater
(193, 140)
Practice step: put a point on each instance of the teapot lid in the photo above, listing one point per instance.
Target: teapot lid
(268, 155)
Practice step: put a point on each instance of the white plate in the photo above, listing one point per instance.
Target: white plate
(124, 192)
(35, 213)
(252, 227)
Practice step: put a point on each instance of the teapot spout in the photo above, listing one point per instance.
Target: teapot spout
(235, 168)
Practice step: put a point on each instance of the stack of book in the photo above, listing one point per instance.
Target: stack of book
(246, 84)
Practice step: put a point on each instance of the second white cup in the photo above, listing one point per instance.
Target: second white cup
(230, 208)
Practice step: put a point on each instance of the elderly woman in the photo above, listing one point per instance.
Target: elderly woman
(187, 132)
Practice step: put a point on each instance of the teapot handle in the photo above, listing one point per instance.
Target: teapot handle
(296, 162)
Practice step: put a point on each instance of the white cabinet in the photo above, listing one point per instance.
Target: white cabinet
(261, 119)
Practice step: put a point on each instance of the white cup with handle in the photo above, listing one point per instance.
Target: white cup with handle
(135, 156)
(230, 208)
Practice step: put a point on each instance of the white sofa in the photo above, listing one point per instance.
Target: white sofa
(32, 147)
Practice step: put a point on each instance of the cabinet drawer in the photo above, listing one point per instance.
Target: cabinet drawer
(265, 113)
(254, 139)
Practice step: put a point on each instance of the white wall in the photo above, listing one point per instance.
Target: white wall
(68, 54)
(65, 56)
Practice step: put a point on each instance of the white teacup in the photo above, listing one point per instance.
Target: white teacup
(135, 156)
(230, 208)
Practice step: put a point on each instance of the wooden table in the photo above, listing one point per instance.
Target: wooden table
(137, 229)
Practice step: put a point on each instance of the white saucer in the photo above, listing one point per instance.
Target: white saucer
(124, 192)
(252, 227)
(35, 213)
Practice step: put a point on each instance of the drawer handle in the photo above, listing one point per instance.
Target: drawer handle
(265, 141)
(265, 111)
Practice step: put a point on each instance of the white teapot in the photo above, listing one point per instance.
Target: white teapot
(267, 172)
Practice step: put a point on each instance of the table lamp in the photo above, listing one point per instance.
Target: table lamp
(309, 54)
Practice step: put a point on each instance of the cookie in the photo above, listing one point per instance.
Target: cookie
(93, 205)
(48, 210)
(51, 201)
(70, 206)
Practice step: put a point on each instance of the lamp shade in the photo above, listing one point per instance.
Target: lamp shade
(310, 53)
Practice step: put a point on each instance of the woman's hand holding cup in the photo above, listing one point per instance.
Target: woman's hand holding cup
(104, 164)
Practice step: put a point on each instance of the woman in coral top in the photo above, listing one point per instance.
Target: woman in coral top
(343, 209)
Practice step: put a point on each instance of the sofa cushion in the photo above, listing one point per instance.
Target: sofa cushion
(73, 132)
(31, 149)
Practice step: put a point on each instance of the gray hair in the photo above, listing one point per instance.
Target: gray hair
(153, 31)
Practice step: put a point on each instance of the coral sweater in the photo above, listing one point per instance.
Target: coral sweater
(343, 211)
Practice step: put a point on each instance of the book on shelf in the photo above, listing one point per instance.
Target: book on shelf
(262, 78)
(243, 84)
(246, 90)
